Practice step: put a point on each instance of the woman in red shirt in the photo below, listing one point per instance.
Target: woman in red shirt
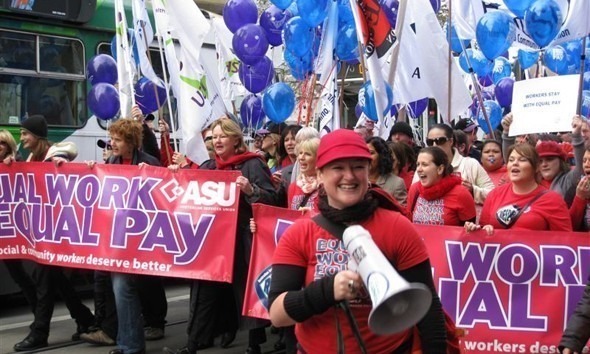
(524, 203)
(438, 198)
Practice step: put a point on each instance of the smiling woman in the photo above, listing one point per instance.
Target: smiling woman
(305, 285)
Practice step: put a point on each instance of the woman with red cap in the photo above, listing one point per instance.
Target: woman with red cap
(310, 277)
(525, 203)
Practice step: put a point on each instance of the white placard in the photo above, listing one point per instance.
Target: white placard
(544, 105)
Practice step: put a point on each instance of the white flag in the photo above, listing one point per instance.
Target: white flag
(144, 35)
(423, 62)
(577, 22)
(326, 66)
(466, 14)
(164, 30)
(227, 63)
(199, 102)
(124, 67)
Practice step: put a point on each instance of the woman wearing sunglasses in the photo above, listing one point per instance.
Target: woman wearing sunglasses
(473, 176)
(524, 203)
(438, 198)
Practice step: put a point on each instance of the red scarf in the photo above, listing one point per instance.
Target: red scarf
(238, 159)
(439, 189)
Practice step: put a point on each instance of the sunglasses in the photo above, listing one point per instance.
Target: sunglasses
(438, 141)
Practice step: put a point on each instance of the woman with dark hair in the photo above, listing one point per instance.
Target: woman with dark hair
(493, 162)
(473, 176)
(304, 290)
(524, 203)
(438, 198)
(287, 154)
(404, 161)
(49, 280)
(215, 305)
(381, 170)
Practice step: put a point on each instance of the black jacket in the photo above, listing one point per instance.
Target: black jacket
(577, 333)
(138, 157)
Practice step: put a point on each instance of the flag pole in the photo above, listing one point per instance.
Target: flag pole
(581, 83)
(450, 62)
(478, 94)
(399, 25)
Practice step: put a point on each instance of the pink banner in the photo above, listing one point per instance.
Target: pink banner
(511, 292)
(120, 218)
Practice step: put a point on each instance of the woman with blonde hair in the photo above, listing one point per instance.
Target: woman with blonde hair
(7, 145)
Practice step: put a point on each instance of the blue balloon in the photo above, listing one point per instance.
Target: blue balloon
(251, 111)
(301, 67)
(495, 32)
(585, 109)
(103, 101)
(457, 45)
(481, 65)
(273, 20)
(390, 8)
(503, 91)
(102, 68)
(502, 69)
(367, 100)
(467, 53)
(250, 43)
(542, 21)
(555, 59)
(494, 112)
(313, 12)
(278, 102)
(145, 95)
(347, 43)
(485, 95)
(416, 108)
(298, 36)
(435, 5)
(237, 13)
(258, 76)
(586, 81)
(527, 59)
(293, 9)
(282, 4)
(518, 7)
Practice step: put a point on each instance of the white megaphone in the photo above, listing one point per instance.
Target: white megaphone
(397, 304)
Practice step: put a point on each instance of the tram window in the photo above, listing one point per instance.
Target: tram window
(17, 50)
(42, 75)
(61, 55)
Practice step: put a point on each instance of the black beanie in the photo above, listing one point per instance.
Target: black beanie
(402, 127)
(37, 125)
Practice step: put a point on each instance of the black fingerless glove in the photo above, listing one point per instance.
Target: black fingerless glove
(314, 299)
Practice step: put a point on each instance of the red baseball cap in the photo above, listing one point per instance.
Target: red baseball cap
(550, 148)
(341, 144)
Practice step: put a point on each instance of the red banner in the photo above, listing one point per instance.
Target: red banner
(120, 218)
(512, 292)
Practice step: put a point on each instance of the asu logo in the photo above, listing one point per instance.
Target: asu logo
(232, 66)
(200, 86)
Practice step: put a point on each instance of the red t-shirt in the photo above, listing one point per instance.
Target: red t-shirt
(499, 176)
(307, 245)
(454, 208)
(549, 212)
(295, 196)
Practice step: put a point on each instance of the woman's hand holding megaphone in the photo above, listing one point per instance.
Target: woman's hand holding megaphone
(347, 285)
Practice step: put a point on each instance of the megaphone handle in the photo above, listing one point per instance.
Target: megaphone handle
(353, 324)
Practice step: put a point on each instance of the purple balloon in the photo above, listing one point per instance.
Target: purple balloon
(237, 13)
(145, 95)
(273, 20)
(416, 108)
(503, 91)
(486, 81)
(103, 101)
(102, 68)
(251, 111)
(258, 76)
(358, 110)
(250, 43)
(390, 7)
